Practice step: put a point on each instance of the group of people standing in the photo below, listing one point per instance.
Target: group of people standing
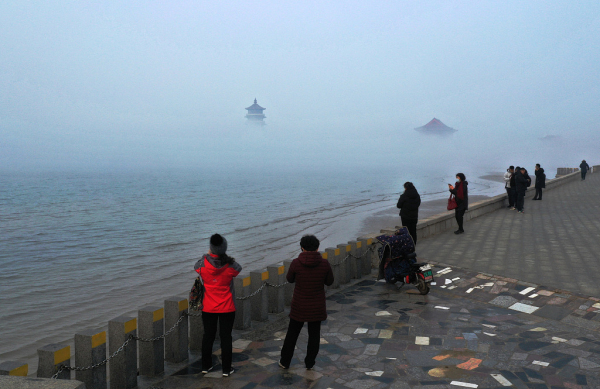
(310, 272)
(517, 180)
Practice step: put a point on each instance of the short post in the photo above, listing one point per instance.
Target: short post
(330, 255)
(51, 357)
(276, 294)
(355, 270)
(288, 290)
(90, 349)
(14, 368)
(176, 343)
(243, 309)
(260, 302)
(152, 354)
(196, 329)
(370, 258)
(344, 265)
(365, 260)
(123, 367)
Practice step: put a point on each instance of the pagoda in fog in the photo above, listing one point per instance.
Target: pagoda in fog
(435, 127)
(255, 114)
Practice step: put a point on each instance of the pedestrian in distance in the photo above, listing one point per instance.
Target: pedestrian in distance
(521, 182)
(509, 184)
(217, 271)
(540, 181)
(584, 168)
(461, 193)
(311, 273)
(409, 203)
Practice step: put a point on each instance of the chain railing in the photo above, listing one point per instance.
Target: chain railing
(62, 368)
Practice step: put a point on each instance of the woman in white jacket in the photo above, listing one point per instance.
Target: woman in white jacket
(509, 185)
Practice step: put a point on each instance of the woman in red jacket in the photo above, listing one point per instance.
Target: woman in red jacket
(217, 270)
(310, 272)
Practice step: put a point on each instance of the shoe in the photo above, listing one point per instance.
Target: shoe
(520, 211)
(459, 232)
(205, 371)
(228, 374)
(281, 365)
(510, 206)
(534, 199)
(309, 368)
(513, 208)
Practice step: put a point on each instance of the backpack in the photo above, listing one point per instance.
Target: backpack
(197, 295)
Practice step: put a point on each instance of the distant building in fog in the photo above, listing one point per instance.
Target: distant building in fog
(255, 114)
(435, 127)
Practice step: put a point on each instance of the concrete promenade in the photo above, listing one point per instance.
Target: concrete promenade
(515, 305)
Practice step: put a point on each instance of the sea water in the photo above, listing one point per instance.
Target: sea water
(79, 249)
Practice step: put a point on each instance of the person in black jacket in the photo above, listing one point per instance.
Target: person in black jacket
(409, 203)
(461, 194)
(540, 181)
(584, 168)
(522, 181)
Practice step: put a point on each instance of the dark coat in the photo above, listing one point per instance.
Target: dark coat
(521, 182)
(310, 272)
(409, 203)
(584, 167)
(540, 178)
(463, 204)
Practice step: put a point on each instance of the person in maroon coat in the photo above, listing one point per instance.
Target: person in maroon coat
(310, 272)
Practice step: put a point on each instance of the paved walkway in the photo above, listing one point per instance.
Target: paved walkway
(556, 242)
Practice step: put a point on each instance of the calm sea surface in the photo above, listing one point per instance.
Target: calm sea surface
(77, 250)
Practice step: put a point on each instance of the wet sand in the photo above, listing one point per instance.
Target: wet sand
(388, 218)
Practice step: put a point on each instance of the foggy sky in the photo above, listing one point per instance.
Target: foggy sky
(148, 84)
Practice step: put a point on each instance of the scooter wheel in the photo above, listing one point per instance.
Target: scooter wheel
(422, 286)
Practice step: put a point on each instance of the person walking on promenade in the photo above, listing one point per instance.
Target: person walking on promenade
(460, 191)
(509, 181)
(521, 187)
(310, 272)
(584, 168)
(409, 203)
(540, 181)
(217, 271)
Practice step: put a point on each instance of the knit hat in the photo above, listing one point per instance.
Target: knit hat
(218, 244)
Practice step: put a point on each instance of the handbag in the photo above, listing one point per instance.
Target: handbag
(452, 203)
(197, 295)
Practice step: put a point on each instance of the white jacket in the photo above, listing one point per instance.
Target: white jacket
(507, 179)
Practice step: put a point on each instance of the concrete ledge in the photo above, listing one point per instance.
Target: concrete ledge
(12, 382)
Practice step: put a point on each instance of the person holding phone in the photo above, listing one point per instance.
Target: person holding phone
(461, 193)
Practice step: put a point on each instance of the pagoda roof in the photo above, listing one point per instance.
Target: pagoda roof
(255, 106)
(435, 125)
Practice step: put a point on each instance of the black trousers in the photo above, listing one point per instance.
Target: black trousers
(583, 172)
(538, 194)
(459, 215)
(314, 339)
(225, 323)
(512, 193)
(412, 227)
(520, 200)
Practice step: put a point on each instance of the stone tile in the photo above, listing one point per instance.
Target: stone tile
(552, 312)
(504, 301)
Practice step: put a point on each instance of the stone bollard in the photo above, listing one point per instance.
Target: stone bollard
(365, 260)
(123, 367)
(14, 368)
(152, 354)
(372, 258)
(176, 343)
(330, 255)
(51, 357)
(344, 265)
(288, 290)
(260, 302)
(90, 349)
(276, 294)
(196, 329)
(355, 270)
(243, 308)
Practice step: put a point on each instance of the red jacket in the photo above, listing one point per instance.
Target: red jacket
(310, 272)
(218, 283)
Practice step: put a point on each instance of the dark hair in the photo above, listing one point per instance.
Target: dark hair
(408, 185)
(217, 240)
(309, 243)
(461, 176)
(511, 167)
(537, 164)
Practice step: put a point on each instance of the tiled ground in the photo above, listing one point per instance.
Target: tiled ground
(471, 331)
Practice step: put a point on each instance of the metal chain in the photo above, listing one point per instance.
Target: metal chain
(165, 334)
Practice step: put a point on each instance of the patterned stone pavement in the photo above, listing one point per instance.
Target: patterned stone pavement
(472, 331)
(555, 242)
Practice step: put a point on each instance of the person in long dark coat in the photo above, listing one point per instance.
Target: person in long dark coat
(521, 183)
(310, 272)
(540, 181)
(584, 168)
(409, 203)
(461, 194)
